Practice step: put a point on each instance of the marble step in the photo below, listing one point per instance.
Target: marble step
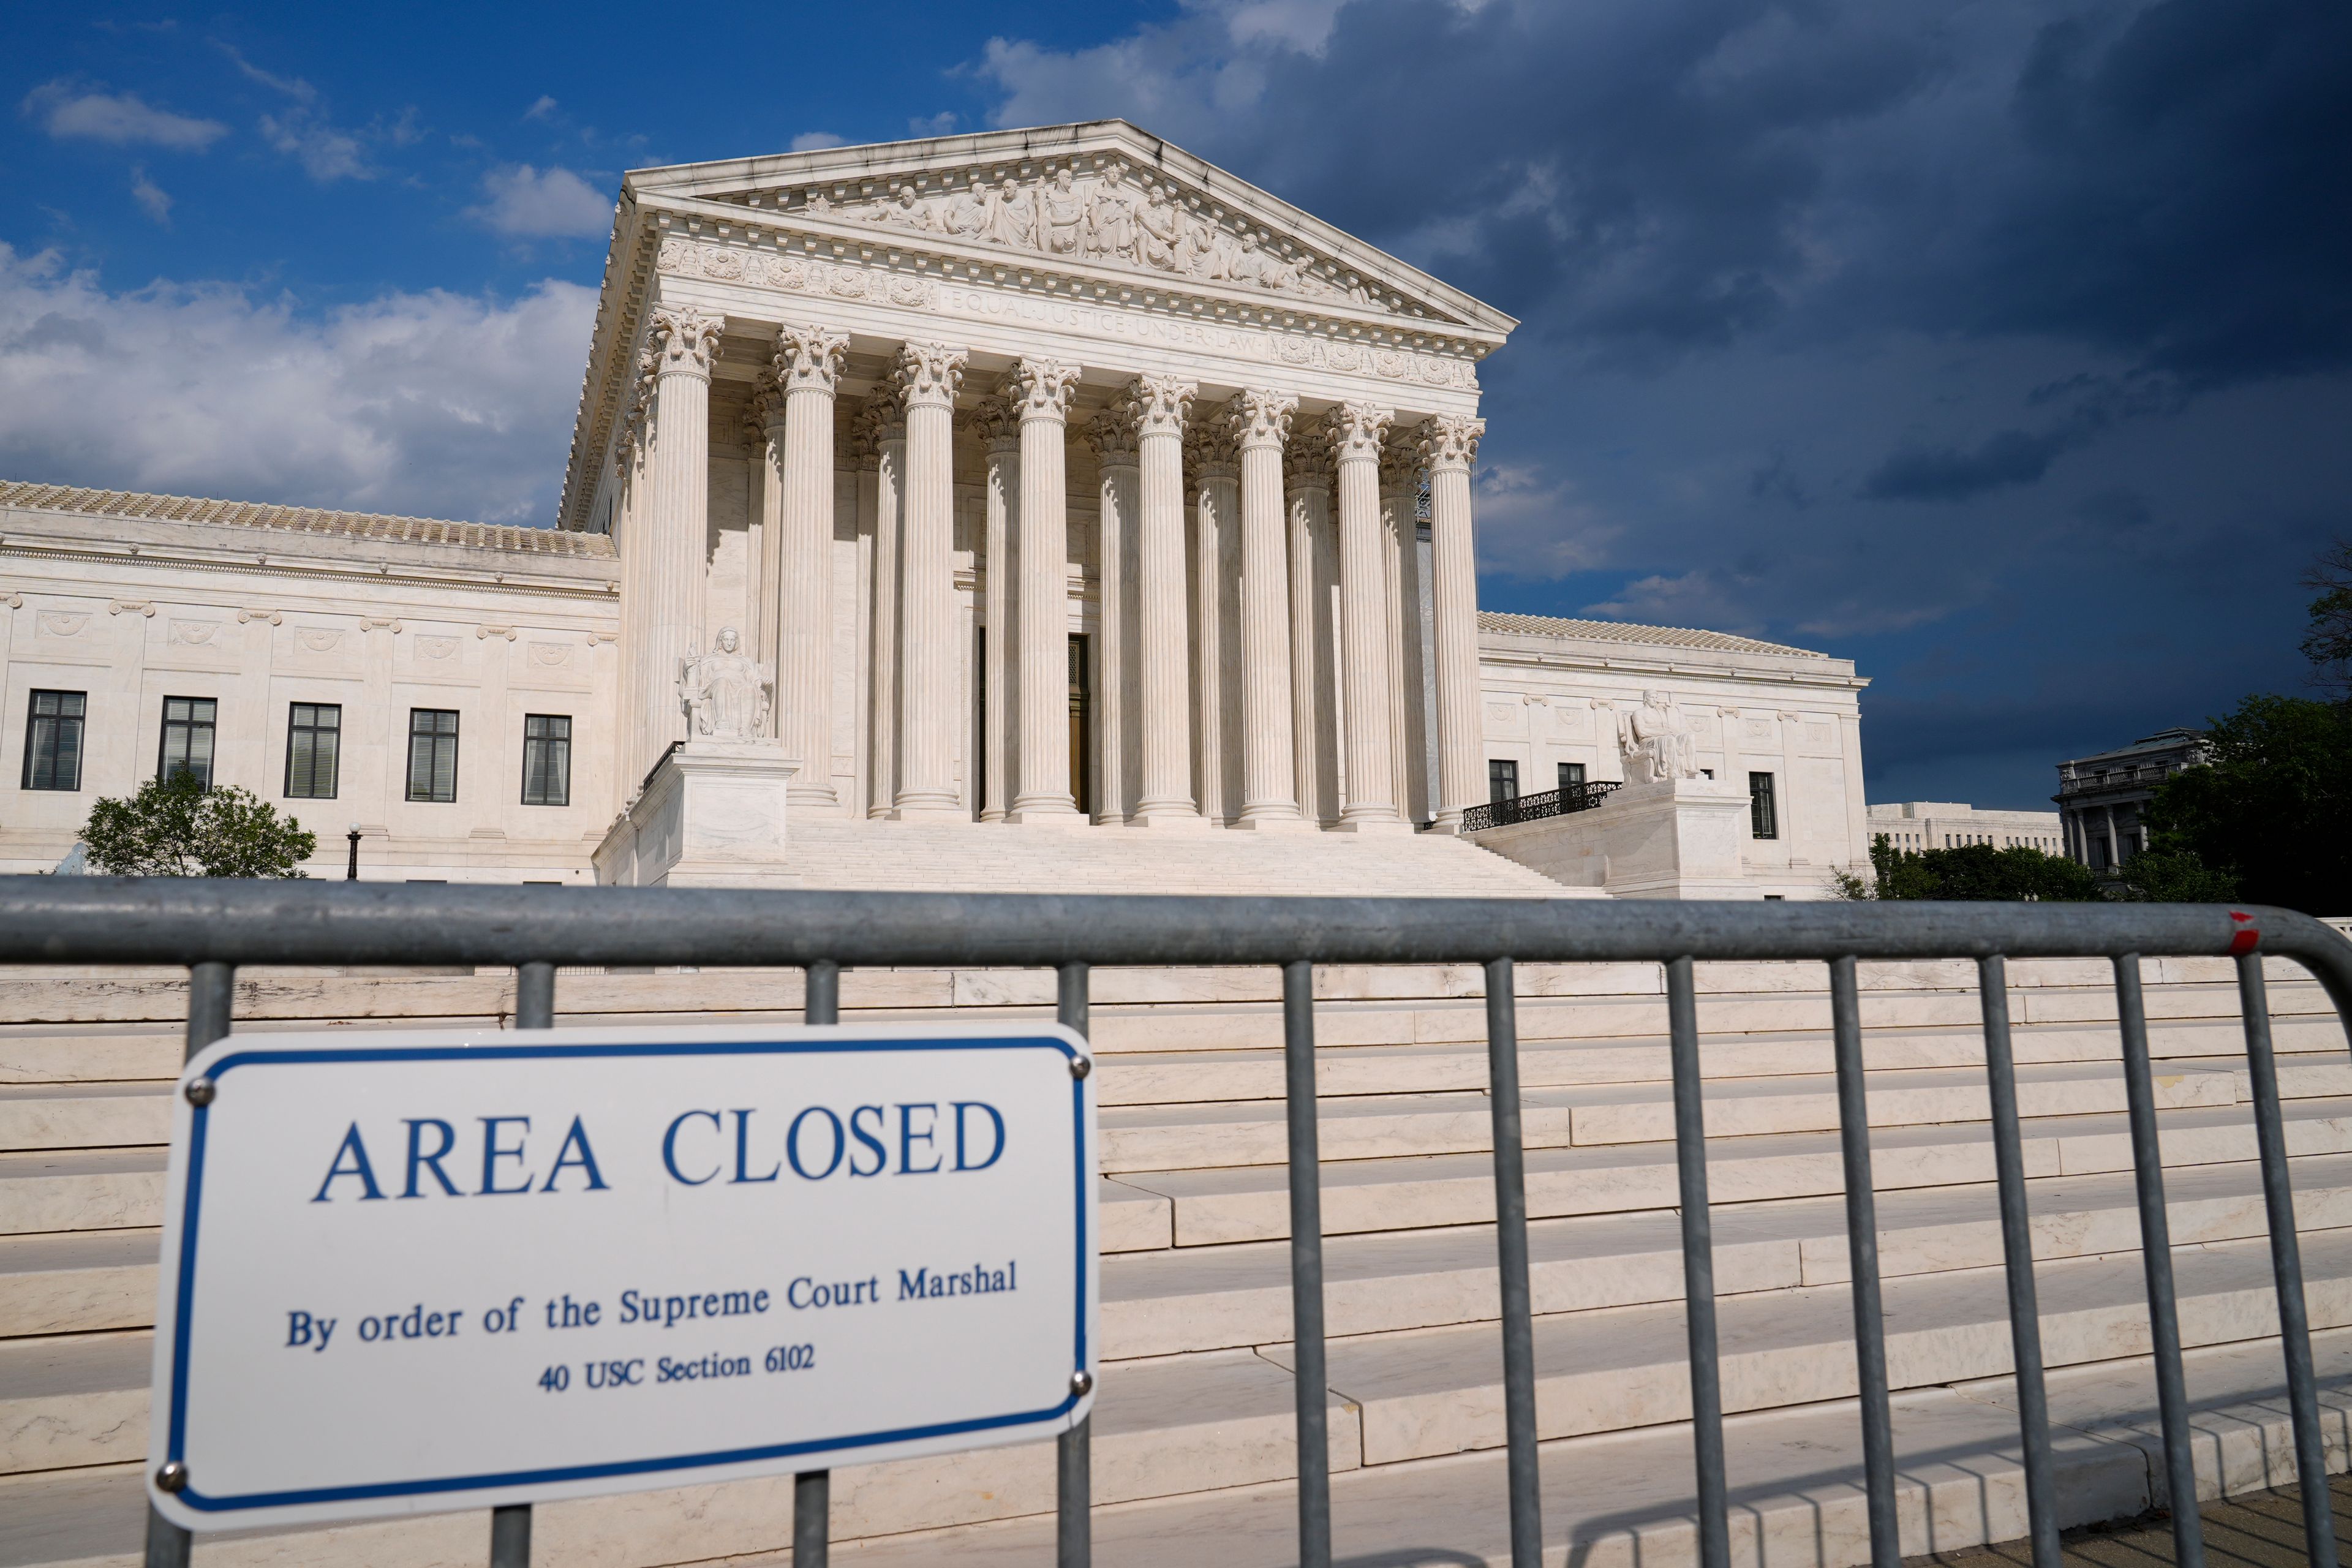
(1624, 1499)
(1227, 1134)
(1426, 1392)
(1251, 1202)
(1209, 1298)
(78, 1282)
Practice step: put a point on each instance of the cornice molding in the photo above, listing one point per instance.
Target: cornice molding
(151, 556)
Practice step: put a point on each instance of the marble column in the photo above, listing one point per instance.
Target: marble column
(928, 376)
(1158, 404)
(1357, 433)
(1407, 702)
(1042, 390)
(1449, 444)
(674, 518)
(887, 433)
(1216, 617)
(764, 503)
(1314, 655)
(628, 547)
(1260, 422)
(999, 441)
(1118, 754)
(808, 365)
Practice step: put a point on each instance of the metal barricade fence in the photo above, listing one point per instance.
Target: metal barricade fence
(213, 927)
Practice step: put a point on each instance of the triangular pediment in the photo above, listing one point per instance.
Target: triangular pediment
(1104, 197)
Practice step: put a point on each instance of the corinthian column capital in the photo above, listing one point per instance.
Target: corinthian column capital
(684, 339)
(1450, 440)
(1355, 432)
(1401, 465)
(1112, 434)
(1041, 388)
(1261, 418)
(997, 423)
(810, 358)
(1157, 405)
(1305, 466)
(928, 374)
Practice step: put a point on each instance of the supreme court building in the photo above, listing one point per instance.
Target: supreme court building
(1057, 481)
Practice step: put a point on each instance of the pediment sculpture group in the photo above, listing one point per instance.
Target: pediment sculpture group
(1103, 219)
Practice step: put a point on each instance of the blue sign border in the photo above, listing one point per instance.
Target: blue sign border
(184, 1304)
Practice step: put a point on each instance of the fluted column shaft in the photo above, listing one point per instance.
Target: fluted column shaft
(890, 439)
(999, 437)
(808, 367)
(764, 505)
(1357, 433)
(676, 517)
(927, 376)
(628, 546)
(1043, 389)
(1313, 659)
(1117, 755)
(1399, 538)
(1216, 620)
(1261, 425)
(1449, 444)
(1158, 404)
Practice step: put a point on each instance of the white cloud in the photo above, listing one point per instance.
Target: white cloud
(293, 87)
(326, 154)
(437, 405)
(943, 124)
(815, 140)
(529, 203)
(541, 110)
(152, 197)
(121, 117)
(1533, 526)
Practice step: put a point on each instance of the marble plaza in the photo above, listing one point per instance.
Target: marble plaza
(1022, 481)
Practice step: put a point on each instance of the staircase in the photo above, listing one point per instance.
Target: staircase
(1192, 1428)
(991, 857)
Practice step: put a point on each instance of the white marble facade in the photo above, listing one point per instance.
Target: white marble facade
(910, 418)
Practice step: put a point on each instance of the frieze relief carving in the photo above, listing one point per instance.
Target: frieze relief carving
(436, 647)
(555, 655)
(61, 623)
(314, 639)
(193, 633)
(683, 258)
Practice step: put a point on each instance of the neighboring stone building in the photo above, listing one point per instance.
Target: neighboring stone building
(2101, 798)
(1052, 478)
(1920, 825)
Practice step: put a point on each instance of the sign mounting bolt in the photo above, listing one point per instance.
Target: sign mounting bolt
(1081, 1381)
(1079, 1067)
(201, 1091)
(173, 1476)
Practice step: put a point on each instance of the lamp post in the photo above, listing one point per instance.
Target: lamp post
(351, 871)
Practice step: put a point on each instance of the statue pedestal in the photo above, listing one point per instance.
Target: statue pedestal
(1680, 838)
(712, 816)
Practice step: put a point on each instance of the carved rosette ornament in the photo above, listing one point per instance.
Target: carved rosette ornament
(684, 339)
(1157, 405)
(1450, 440)
(1355, 432)
(1111, 434)
(1261, 418)
(810, 358)
(928, 374)
(1041, 388)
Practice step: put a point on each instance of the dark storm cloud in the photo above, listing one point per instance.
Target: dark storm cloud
(1947, 473)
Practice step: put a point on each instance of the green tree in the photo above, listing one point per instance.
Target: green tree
(2176, 877)
(176, 827)
(2271, 808)
(1979, 873)
(2328, 645)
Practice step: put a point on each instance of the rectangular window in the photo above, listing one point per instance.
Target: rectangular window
(314, 746)
(1502, 779)
(53, 739)
(546, 759)
(1763, 818)
(432, 755)
(1571, 776)
(188, 738)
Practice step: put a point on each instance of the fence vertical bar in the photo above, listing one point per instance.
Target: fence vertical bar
(1073, 1449)
(1698, 1270)
(2017, 1258)
(2286, 1266)
(1511, 1262)
(2156, 1261)
(1862, 1253)
(1307, 1267)
(534, 1009)
(812, 1490)
(211, 998)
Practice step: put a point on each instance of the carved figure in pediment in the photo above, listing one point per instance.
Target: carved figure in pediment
(1013, 216)
(725, 692)
(1111, 224)
(907, 210)
(1254, 263)
(967, 213)
(1163, 244)
(1656, 742)
(1065, 213)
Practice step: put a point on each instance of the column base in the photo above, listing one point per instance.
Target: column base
(1276, 825)
(1163, 818)
(1065, 817)
(818, 795)
(1392, 826)
(926, 811)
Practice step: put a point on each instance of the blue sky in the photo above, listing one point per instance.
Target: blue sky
(2003, 347)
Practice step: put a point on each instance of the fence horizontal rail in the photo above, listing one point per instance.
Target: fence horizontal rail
(96, 919)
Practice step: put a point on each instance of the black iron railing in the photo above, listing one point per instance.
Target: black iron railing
(1530, 807)
(213, 926)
